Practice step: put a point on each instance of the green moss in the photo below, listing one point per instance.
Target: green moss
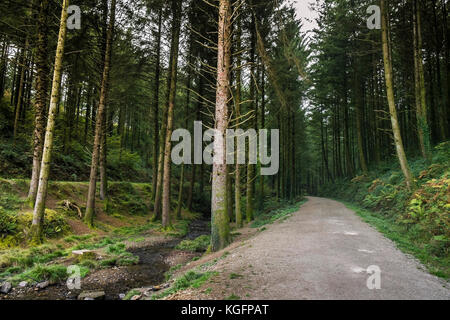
(38, 273)
(127, 198)
(199, 244)
(207, 291)
(134, 230)
(191, 279)
(130, 294)
(116, 248)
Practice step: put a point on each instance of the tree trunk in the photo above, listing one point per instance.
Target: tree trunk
(358, 107)
(3, 67)
(390, 95)
(220, 230)
(102, 160)
(419, 85)
(156, 106)
(19, 100)
(176, 8)
(40, 98)
(39, 207)
(90, 205)
(186, 112)
(249, 212)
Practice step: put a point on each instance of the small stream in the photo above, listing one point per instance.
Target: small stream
(154, 262)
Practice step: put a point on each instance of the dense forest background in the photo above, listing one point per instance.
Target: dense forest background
(359, 110)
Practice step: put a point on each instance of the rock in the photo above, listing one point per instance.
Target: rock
(80, 252)
(136, 297)
(92, 295)
(148, 293)
(6, 287)
(85, 254)
(121, 296)
(23, 284)
(156, 288)
(42, 285)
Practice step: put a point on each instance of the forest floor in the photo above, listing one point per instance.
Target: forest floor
(322, 251)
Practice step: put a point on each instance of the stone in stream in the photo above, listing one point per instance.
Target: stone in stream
(121, 296)
(6, 287)
(23, 284)
(92, 295)
(42, 285)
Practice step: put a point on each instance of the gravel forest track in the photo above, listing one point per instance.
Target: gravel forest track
(322, 251)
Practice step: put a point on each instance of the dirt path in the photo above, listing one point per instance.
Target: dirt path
(320, 252)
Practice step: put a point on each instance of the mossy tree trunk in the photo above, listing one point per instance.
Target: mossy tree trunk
(39, 207)
(387, 58)
(359, 119)
(19, 101)
(249, 211)
(186, 112)
(41, 97)
(176, 9)
(237, 175)
(419, 85)
(99, 126)
(156, 105)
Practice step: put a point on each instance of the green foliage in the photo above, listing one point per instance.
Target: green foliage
(14, 158)
(8, 223)
(130, 163)
(169, 273)
(179, 229)
(130, 294)
(126, 198)
(273, 215)
(53, 273)
(119, 256)
(191, 279)
(54, 222)
(116, 248)
(134, 230)
(199, 244)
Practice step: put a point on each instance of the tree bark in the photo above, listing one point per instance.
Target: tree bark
(419, 85)
(220, 230)
(156, 105)
(237, 175)
(40, 98)
(358, 107)
(19, 101)
(176, 8)
(90, 205)
(39, 207)
(390, 95)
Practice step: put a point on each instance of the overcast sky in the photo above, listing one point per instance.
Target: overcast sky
(303, 11)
